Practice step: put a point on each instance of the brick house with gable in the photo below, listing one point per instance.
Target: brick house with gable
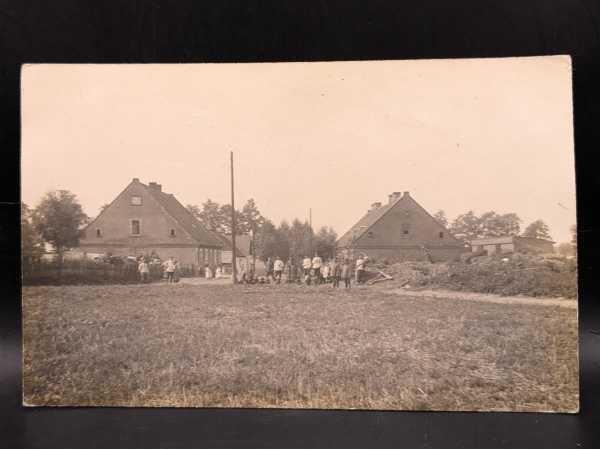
(143, 220)
(400, 230)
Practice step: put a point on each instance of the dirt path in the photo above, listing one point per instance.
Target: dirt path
(447, 294)
(204, 281)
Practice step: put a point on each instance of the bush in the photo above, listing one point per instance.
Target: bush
(516, 274)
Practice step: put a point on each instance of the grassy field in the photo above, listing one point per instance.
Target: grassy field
(266, 346)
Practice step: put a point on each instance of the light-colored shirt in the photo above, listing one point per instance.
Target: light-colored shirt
(360, 264)
(278, 265)
(169, 266)
(143, 267)
(316, 262)
(306, 263)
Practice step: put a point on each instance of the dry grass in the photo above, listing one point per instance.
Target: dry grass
(263, 346)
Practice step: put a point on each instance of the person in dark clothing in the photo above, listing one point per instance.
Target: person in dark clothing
(334, 268)
(346, 273)
(269, 266)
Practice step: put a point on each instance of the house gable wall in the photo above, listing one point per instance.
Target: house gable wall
(114, 223)
(406, 213)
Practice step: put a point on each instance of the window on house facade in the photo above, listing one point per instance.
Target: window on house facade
(136, 227)
(370, 234)
(136, 200)
(405, 229)
(172, 232)
(98, 233)
(441, 235)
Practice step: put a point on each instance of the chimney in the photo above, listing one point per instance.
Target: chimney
(393, 196)
(376, 205)
(155, 186)
(136, 180)
(406, 194)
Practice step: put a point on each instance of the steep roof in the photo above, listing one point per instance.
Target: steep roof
(374, 215)
(368, 220)
(184, 217)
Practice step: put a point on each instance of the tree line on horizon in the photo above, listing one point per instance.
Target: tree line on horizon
(469, 226)
(295, 238)
(59, 220)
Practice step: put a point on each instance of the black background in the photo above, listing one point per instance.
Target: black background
(280, 30)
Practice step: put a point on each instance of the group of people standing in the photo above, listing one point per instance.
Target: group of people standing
(311, 271)
(306, 270)
(170, 269)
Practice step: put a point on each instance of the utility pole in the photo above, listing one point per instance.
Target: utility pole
(233, 226)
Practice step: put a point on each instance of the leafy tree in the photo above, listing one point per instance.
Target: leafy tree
(573, 230)
(440, 216)
(216, 217)
(253, 222)
(251, 217)
(282, 246)
(209, 215)
(466, 226)
(225, 221)
(266, 240)
(31, 243)
(538, 229)
(510, 224)
(58, 219)
(325, 242)
(498, 225)
(566, 249)
(194, 210)
(301, 238)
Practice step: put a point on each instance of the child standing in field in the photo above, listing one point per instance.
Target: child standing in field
(360, 266)
(316, 266)
(208, 272)
(269, 268)
(278, 269)
(144, 270)
(306, 266)
(334, 269)
(289, 270)
(325, 272)
(346, 273)
(169, 266)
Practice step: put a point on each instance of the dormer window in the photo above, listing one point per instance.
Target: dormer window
(136, 200)
(98, 233)
(172, 233)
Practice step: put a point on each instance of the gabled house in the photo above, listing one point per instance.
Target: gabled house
(143, 220)
(398, 231)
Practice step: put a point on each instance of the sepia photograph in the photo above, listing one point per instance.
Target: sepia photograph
(382, 235)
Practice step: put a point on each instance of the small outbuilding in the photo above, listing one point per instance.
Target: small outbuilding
(512, 244)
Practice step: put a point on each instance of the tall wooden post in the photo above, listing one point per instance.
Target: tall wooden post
(311, 231)
(233, 227)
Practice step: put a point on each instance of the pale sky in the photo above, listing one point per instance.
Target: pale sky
(480, 134)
